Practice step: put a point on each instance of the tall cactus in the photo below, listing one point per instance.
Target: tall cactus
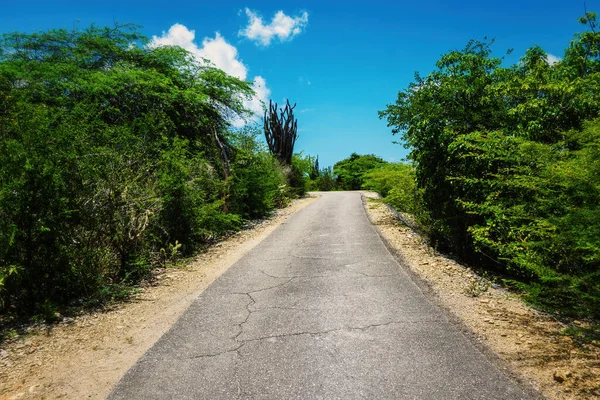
(281, 131)
(315, 171)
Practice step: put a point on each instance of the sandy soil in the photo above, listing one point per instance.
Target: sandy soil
(84, 358)
(529, 342)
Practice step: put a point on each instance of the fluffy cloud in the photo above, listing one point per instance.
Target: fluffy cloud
(222, 55)
(259, 85)
(281, 26)
(552, 59)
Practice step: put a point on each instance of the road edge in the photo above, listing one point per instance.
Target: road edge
(100, 348)
(433, 296)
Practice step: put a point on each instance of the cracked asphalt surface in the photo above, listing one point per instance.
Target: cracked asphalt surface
(319, 310)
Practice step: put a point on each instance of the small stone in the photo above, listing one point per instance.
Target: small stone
(561, 375)
(485, 301)
(503, 335)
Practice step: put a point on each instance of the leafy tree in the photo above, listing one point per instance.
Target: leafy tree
(259, 181)
(350, 171)
(325, 180)
(112, 151)
(503, 157)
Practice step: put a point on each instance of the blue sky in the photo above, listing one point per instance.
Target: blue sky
(347, 61)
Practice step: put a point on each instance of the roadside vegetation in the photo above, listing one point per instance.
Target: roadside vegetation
(117, 157)
(347, 174)
(507, 167)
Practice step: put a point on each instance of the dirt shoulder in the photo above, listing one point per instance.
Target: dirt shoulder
(86, 357)
(529, 342)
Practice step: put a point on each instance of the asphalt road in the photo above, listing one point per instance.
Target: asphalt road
(319, 310)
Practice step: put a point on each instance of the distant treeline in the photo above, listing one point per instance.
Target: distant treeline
(115, 158)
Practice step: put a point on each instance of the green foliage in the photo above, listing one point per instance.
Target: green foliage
(395, 182)
(583, 335)
(506, 165)
(324, 180)
(258, 182)
(115, 157)
(351, 171)
(298, 174)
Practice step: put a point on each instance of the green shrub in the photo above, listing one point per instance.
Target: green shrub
(507, 165)
(395, 182)
(110, 153)
(325, 180)
(258, 184)
(351, 171)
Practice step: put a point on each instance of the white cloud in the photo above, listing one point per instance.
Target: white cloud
(222, 55)
(255, 104)
(552, 59)
(281, 26)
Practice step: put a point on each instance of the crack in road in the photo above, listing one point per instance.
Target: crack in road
(316, 324)
(324, 332)
(288, 279)
(291, 277)
(285, 308)
(243, 342)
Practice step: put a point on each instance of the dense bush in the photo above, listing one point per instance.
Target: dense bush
(258, 183)
(395, 182)
(506, 165)
(324, 180)
(350, 172)
(115, 157)
(298, 174)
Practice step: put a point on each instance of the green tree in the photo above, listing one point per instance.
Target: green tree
(350, 171)
(112, 151)
(502, 158)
